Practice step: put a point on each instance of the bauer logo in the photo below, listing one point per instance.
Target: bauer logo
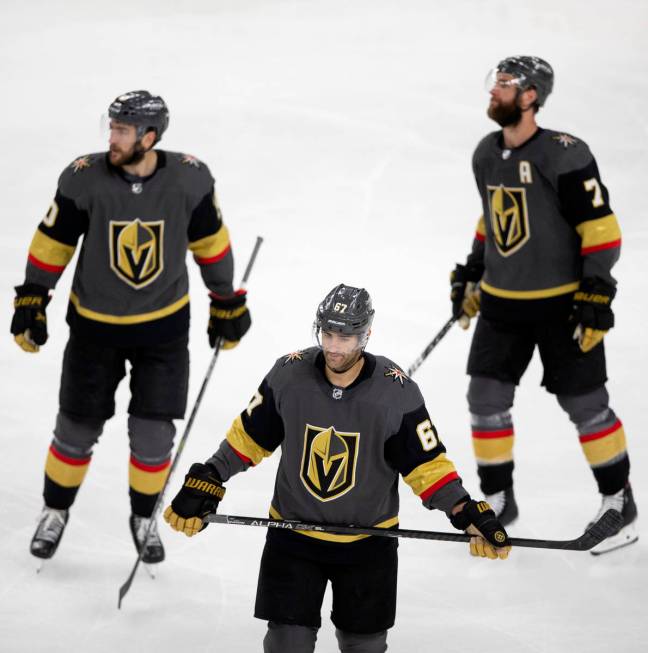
(136, 251)
(509, 218)
(328, 468)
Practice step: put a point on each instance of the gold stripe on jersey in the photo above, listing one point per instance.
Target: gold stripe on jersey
(242, 442)
(50, 251)
(542, 293)
(426, 475)
(602, 231)
(332, 537)
(600, 449)
(66, 474)
(128, 319)
(211, 246)
(146, 482)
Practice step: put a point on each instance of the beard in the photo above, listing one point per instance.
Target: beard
(129, 157)
(341, 363)
(505, 115)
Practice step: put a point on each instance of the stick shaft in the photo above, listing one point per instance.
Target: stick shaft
(432, 344)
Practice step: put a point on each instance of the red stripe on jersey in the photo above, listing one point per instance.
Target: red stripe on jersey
(45, 266)
(601, 434)
(439, 484)
(149, 468)
(480, 237)
(243, 457)
(213, 259)
(66, 459)
(597, 248)
(486, 435)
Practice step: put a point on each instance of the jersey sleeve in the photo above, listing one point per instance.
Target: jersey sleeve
(210, 244)
(476, 256)
(253, 436)
(585, 204)
(55, 241)
(418, 454)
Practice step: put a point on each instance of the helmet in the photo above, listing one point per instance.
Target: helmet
(345, 310)
(143, 110)
(531, 72)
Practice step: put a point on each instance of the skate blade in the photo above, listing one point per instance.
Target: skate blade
(149, 571)
(626, 536)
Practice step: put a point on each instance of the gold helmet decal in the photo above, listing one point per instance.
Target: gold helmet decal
(329, 462)
(136, 251)
(509, 218)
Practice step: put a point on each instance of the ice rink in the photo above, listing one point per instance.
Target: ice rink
(341, 132)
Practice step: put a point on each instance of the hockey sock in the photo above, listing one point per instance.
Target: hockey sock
(492, 438)
(146, 481)
(65, 470)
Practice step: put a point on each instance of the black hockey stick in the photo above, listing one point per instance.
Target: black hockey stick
(607, 525)
(123, 590)
(435, 341)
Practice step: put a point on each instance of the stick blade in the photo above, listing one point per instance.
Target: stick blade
(609, 524)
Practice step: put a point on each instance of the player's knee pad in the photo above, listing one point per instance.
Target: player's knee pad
(587, 409)
(361, 643)
(151, 440)
(76, 436)
(489, 396)
(288, 638)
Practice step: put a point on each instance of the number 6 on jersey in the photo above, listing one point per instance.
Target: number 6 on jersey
(427, 435)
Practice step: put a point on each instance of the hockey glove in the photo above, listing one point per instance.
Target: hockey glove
(478, 519)
(591, 312)
(200, 495)
(29, 323)
(464, 292)
(229, 319)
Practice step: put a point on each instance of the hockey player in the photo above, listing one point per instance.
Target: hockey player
(138, 209)
(540, 266)
(348, 423)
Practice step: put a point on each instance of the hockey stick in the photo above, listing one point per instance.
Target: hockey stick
(435, 341)
(123, 590)
(607, 525)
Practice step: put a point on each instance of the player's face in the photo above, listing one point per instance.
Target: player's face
(123, 143)
(503, 107)
(341, 352)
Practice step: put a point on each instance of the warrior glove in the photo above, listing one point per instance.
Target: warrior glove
(200, 495)
(464, 292)
(29, 323)
(229, 319)
(591, 312)
(490, 539)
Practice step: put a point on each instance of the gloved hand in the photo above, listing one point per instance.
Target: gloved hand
(199, 496)
(478, 519)
(591, 312)
(464, 292)
(29, 323)
(229, 319)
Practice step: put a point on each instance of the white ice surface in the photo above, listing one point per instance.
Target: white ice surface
(342, 132)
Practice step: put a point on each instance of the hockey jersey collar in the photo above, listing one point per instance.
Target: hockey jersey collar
(365, 373)
(134, 179)
(499, 140)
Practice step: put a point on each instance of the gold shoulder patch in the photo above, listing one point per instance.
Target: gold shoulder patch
(565, 140)
(82, 163)
(190, 160)
(293, 357)
(396, 374)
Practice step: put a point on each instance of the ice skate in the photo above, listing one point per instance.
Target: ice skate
(622, 501)
(153, 549)
(49, 532)
(504, 505)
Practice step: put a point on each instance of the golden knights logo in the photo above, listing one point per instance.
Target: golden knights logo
(329, 460)
(509, 218)
(136, 251)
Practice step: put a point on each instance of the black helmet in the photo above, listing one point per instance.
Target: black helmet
(345, 310)
(143, 110)
(532, 72)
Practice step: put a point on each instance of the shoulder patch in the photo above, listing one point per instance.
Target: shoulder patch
(396, 374)
(190, 160)
(293, 357)
(82, 163)
(565, 140)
